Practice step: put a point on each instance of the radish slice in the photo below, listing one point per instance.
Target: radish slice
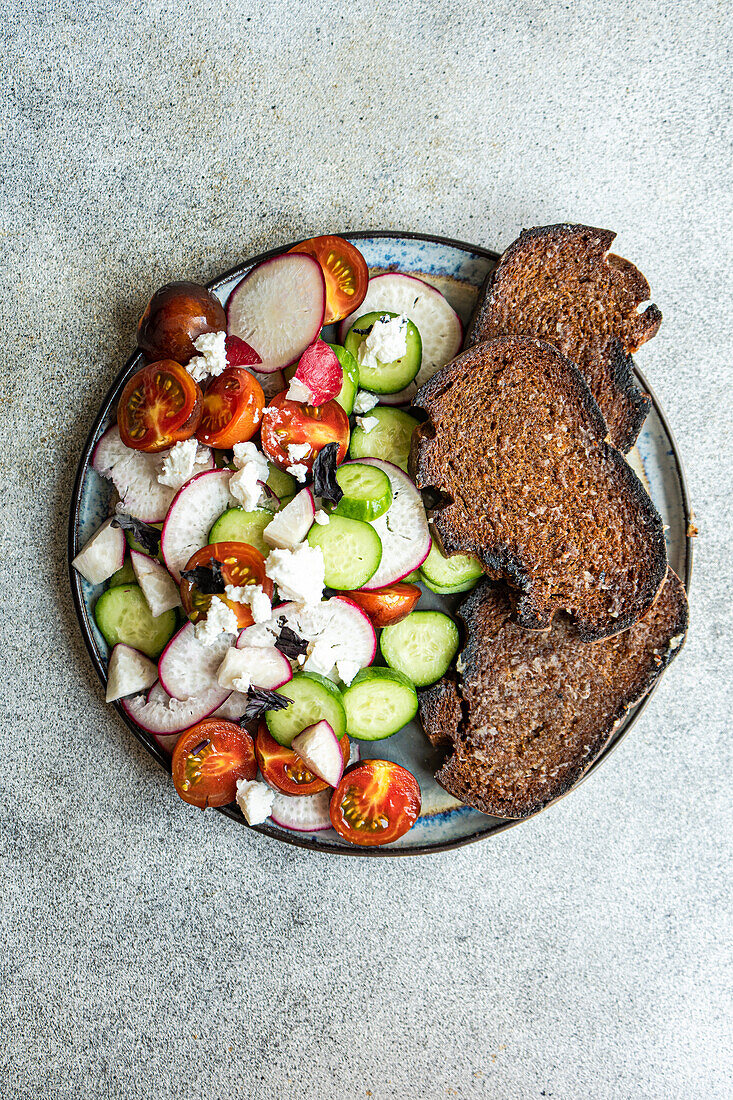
(403, 529)
(159, 589)
(187, 668)
(318, 746)
(320, 372)
(292, 523)
(240, 354)
(128, 672)
(134, 475)
(402, 397)
(278, 308)
(254, 667)
(103, 555)
(438, 323)
(194, 510)
(166, 718)
(304, 813)
(232, 708)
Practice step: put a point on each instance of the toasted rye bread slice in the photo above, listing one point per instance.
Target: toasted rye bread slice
(515, 445)
(531, 710)
(559, 282)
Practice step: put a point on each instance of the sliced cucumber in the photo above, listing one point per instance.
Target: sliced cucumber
(379, 702)
(422, 646)
(123, 615)
(236, 525)
(125, 575)
(313, 698)
(449, 572)
(384, 377)
(282, 483)
(135, 545)
(352, 551)
(448, 589)
(389, 439)
(349, 366)
(367, 491)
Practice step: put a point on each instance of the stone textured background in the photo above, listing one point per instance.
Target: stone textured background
(153, 951)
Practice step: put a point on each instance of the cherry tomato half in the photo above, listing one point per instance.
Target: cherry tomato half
(242, 565)
(292, 423)
(176, 315)
(160, 405)
(345, 271)
(209, 759)
(376, 802)
(386, 606)
(282, 768)
(233, 405)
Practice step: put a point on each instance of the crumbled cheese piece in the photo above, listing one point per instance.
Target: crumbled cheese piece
(366, 423)
(298, 471)
(213, 358)
(386, 343)
(234, 671)
(178, 465)
(365, 401)
(220, 619)
(254, 596)
(347, 670)
(322, 517)
(247, 454)
(252, 471)
(298, 391)
(299, 574)
(255, 800)
(296, 451)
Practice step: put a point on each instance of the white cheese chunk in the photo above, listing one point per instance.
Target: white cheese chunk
(366, 423)
(347, 669)
(322, 517)
(386, 343)
(220, 619)
(299, 574)
(365, 401)
(296, 451)
(213, 358)
(254, 596)
(298, 391)
(181, 462)
(255, 800)
(298, 471)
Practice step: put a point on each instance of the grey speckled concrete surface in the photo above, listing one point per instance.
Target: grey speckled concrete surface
(152, 951)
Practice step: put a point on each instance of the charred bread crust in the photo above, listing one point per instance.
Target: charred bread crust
(515, 385)
(561, 283)
(519, 743)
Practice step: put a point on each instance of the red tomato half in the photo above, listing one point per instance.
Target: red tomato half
(209, 759)
(282, 768)
(386, 606)
(345, 271)
(376, 802)
(292, 423)
(160, 405)
(233, 405)
(242, 565)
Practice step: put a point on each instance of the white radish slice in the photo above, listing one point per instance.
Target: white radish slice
(319, 748)
(292, 523)
(159, 589)
(254, 667)
(134, 475)
(166, 718)
(278, 308)
(194, 510)
(187, 668)
(232, 708)
(402, 397)
(128, 672)
(403, 529)
(304, 813)
(437, 322)
(103, 555)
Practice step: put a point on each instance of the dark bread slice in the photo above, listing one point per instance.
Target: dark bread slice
(514, 449)
(531, 710)
(560, 283)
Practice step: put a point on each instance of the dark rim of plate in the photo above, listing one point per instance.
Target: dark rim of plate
(494, 825)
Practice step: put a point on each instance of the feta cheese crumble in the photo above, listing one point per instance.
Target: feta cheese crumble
(178, 465)
(366, 423)
(365, 401)
(347, 670)
(298, 391)
(251, 469)
(220, 619)
(322, 517)
(296, 451)
(255, 800)
(213, 358)
(254, 596)
(299, 574)
(386, 343)
(298, 471)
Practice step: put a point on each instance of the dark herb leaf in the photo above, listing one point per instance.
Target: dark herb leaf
(144, 533)
(260, 700)
(324, 474)
(290, 644)
(209, 579)
(362, 331)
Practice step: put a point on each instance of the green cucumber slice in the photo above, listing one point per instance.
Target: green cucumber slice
(367, 491)
(449, 572)
(352, 551)
(389, 439)
(282, 483)
(135, 545)
(347, 394)
(236, 525)
(385, 377)
(125, 575)
(378, 703)
(123, 615)
(422, 646)
(448, 590)
(313, 698)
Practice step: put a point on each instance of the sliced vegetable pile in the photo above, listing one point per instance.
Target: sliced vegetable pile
(266, 530)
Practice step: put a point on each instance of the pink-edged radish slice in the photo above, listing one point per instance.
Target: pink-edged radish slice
(129, 671)
(188, 668)
(402, 397)
(303, 813)
(292, 523)
(318, 377)
(103, 555)
(437, 322)
(319, 748)
(232, 708)
(159, 589)
(166, 718)
(272, 384)
(253, 666)
(192, 514)
(278, 308)
(403, 529)
(240, 354)
(134, 475)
